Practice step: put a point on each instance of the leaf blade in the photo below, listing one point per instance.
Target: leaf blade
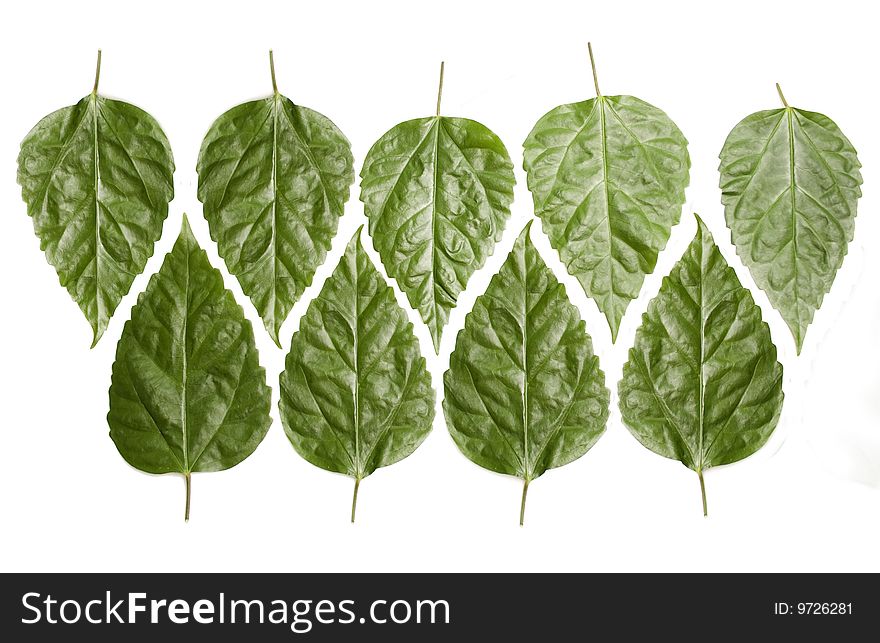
(355, 392)
(274, 178)
(524, 391)
(437, 192)
(97, 178)
(188, 393)
(702, 384)
(607, 177)
(790, 184)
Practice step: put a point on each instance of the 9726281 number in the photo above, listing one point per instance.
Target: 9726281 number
(804, 609)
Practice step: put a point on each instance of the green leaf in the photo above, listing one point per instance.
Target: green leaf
(607, 176)
(274, 178)
(524, 391)
(188, 392)
(790, 186)
(355, 393)
(437, 192)
(97, 179)
(702, 384)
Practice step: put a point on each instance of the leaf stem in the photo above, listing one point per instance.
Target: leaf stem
(702, 491)
(272, 69)
(593, 65)
(781, 95)
(440, 88)
(354, 499)
(97, 75)
(522, 504)
(186, 477)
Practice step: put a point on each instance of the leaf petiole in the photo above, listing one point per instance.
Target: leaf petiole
(593, 65)
(186, 477)
(354, 498)
(781, 96)
(97, 75)
(272, 69)
(522, 505)
(440, 87)
(703, 491)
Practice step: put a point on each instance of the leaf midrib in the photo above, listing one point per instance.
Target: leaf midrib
(529, 468)
(702, 372)
(97, 172)
(356, 364)
(603, 134)
(184, 375)
(794, 251)
(435, 331)
(274, 242)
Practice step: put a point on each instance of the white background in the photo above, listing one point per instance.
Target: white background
(810, 500)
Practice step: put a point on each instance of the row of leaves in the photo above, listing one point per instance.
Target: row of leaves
(524, 392)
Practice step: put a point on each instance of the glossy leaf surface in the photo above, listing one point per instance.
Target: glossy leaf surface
(790, 184)
(274, 178)
(97, 179)
(437, 192)
(608, 177)
(702, 384)
(188, 392)
(355, 392)
(524, 391)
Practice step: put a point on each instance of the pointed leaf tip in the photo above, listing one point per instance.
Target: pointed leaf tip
(185, 228)
(186, 235)
(525, 235)
(356, 237)
(355, 244)
(703, 232)
(614, 331)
